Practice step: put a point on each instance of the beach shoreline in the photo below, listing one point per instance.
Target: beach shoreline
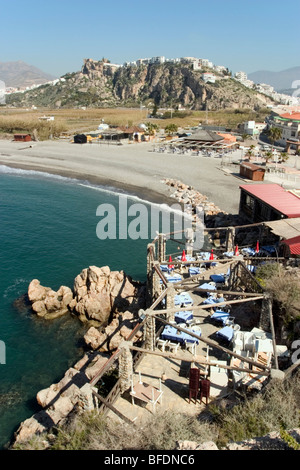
(133, 169)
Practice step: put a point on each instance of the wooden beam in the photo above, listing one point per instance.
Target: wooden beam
(160, 274)
(105, 367)
(160, 298)
(112, 408)
(227, 292)
(215, 345)
(291, 369)
(196, 359)
(203, 307)
(268, 299)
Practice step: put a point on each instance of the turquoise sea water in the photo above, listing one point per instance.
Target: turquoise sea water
(47, 232)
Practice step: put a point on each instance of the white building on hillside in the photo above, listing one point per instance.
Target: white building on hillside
(158, 60)
(241, 76)
(208, 77)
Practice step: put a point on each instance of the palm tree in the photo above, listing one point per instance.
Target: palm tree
(274, 134)
(268, 156)
(171, 129)
(284, 157)
(151, 128)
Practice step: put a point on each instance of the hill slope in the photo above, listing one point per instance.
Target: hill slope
(100, 84)
(19, 74)
(281, 81)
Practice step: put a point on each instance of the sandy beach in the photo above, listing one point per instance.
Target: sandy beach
(134, 168)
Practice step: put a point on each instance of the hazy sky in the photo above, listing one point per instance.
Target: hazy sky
(242, 35)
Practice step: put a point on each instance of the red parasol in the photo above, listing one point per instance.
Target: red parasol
(257, 247)
(211, 255)
(236, 251)
(183, 257)
(171, 266)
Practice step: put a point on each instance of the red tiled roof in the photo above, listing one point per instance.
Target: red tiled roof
(295, 116)
(293, 244)
(275, 196)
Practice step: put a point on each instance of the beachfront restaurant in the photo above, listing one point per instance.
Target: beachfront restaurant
(267, 202)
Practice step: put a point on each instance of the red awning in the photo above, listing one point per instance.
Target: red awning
(293, 244)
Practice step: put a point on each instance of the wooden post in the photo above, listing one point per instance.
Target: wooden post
(149, 333)
(150, 274)
(161, 247)
(230, 236)
(269, 306)
(189, 245)
(156, 287)
(170, 296)
(125, 366)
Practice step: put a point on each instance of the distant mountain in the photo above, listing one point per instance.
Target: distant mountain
(19, 75)
(281, 81)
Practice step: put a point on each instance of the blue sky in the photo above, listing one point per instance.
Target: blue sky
(56, 37)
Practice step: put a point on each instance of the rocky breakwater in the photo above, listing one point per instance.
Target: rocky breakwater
(194, 202)
(187, 195)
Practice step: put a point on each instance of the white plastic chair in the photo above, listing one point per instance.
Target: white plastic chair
(191, 347)
(162, 343)
(173, 347)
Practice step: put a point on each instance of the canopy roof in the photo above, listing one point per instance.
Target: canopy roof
(275, 196)
(204, 136)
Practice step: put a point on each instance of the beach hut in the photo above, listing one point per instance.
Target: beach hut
(80, 139)
(22, 138)
(252, 172)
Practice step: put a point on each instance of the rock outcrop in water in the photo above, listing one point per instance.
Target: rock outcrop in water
(46, 302)
(96, 295)
(99, 291)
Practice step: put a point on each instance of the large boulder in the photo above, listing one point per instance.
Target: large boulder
(36, 292)
(46, 302)
(69, 386)
(110, 338)
(59, 400)
(99, 292)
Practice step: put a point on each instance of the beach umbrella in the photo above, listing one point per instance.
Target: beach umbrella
(236, 251)
(183, 257)
(211, 255)
(171, 266)
(257, 247)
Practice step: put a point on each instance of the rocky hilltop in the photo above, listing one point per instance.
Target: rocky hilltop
(101, 84)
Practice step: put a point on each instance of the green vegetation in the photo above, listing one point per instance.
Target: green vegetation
(171, 129)
(274, 134)
(274, 409)
(43, 129)
(74, 120)
(284, 287)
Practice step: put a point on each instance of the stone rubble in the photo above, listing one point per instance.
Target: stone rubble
(186, 194)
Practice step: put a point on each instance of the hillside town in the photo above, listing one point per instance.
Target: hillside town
(210, 74)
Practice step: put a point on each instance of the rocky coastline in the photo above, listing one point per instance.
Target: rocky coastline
(107, 302)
